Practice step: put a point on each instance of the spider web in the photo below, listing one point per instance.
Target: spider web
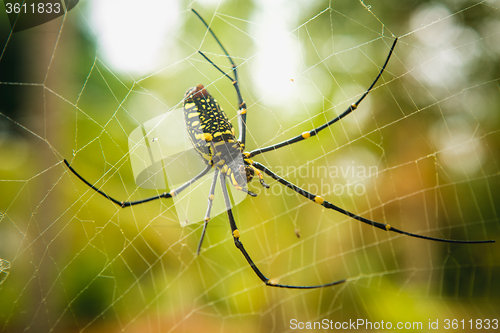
(421, 153)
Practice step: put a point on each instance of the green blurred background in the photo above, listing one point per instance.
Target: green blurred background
(75, 87)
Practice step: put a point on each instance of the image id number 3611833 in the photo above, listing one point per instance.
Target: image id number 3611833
(40, 8)
(478, 324)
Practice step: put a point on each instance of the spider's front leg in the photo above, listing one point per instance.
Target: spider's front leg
(315, 131)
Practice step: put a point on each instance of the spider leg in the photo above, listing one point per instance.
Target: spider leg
(382, 226)
(209, 208)
(122, 204)
(236, 236)
(242, 111)
(315, 131)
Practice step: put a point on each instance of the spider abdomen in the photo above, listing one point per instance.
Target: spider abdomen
(212, 134)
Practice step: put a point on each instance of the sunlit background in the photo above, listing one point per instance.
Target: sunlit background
(421, 153)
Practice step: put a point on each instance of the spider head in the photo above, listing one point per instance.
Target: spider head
(239, 175)
(198, 91)
(236, 173)
(249, 173)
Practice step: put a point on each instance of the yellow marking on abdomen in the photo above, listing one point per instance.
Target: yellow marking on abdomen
(205, 136)
(193, 114)
(220, 143)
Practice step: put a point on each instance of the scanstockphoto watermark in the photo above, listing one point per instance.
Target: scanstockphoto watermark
(367, 325)
(319, 179)
(359, 324)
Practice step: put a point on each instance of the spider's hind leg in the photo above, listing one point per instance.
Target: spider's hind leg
(211, 196)
(237, 242)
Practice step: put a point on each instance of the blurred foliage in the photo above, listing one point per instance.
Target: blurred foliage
(78, 263)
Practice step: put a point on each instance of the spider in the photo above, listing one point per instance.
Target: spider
(213, 137)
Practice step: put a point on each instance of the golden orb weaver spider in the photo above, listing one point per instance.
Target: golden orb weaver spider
(213, 137)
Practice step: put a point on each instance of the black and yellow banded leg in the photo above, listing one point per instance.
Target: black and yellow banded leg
(165, 195)
(236, 237)
(315, 131)
(211, 197)
(242, 108)
(383, 226)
